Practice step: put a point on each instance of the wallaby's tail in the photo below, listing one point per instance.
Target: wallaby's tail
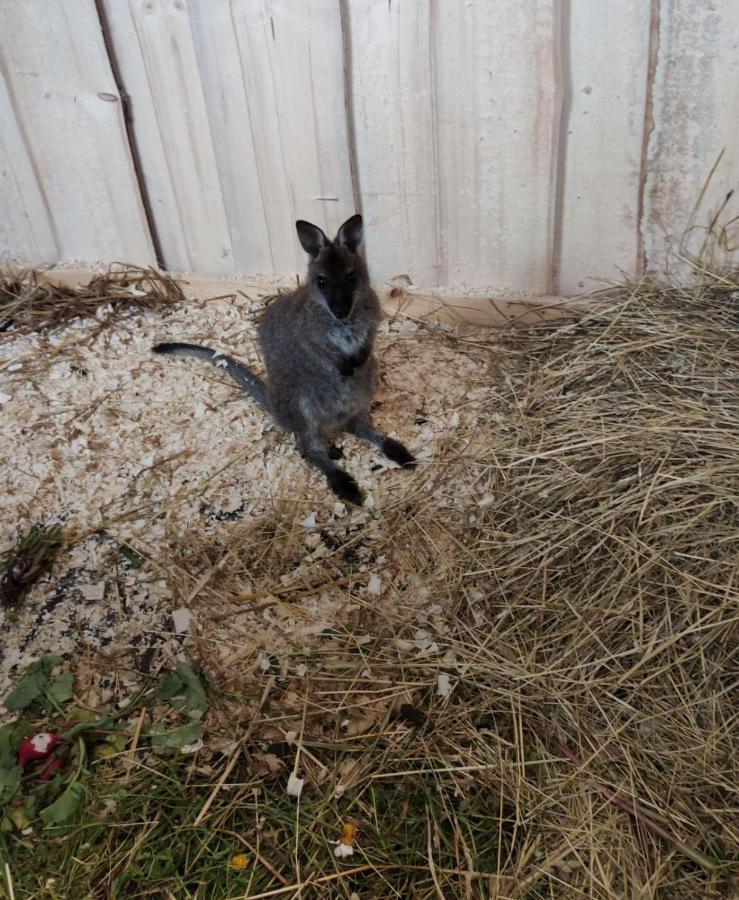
(251, 383)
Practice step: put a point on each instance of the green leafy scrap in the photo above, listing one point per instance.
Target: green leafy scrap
(66, 806)
(61, 689)
(132, 558)
(11, 736)
(177, 738)
(182, 689)
(103, 724)
(22, 816)
(113, 746)
(36, 686)
(33, 684)
(10, 782)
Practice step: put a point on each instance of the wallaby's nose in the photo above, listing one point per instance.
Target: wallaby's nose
(342, 308)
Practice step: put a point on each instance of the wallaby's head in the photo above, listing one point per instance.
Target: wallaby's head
(336, 272)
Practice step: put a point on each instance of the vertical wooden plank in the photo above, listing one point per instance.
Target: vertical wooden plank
(26, 233)
(229, 116)
(393, 104)
(273, 77)
(59, 78)
(498, 94)
(696, 111)
(240, 120)
(606, 60)
(457, 113)
(154, 48)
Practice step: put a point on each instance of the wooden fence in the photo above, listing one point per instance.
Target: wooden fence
(525, 144)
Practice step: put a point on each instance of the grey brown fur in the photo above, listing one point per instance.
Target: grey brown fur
(317, 348)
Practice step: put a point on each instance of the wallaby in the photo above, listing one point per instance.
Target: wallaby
(317, 348)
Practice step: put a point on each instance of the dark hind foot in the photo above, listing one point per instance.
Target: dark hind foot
(344, 486)
(335, 452)
(395, 451)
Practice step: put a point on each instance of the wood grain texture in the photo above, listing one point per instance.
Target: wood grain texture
(496, 146)
(26, 232)
(154, 47)
(605, 56)
(457, 113)
(55, 70)
(272, 72)
(393, 104)
(498, 93)
(240, 120)
(696, 111)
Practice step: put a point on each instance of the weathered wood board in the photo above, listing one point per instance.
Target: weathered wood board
(497, 141)
(456, 155)
(494, 148)
(68, 130)
(26, 230)
(696, 119)
(279, 126)
(606, 61)
(391, 76)
(154, 48)
(242, 127)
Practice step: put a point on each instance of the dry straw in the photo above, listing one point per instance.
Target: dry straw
(580, 546)
(576, 552)
(28, 304)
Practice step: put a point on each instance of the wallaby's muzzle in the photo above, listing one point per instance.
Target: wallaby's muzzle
(342, 309)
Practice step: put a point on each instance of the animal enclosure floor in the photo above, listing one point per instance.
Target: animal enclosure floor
(204, 527)
(513, 670)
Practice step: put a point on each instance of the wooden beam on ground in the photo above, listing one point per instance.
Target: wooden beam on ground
(491, 310)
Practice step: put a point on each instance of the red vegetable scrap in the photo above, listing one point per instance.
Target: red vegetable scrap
(51, 768)
(38, 746)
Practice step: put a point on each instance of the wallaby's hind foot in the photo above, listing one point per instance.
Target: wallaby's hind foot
(362, 427)
(315, 452)
(398, 453)
(344, 486)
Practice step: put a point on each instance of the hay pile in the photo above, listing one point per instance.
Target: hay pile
(29, 305)
(516, 671)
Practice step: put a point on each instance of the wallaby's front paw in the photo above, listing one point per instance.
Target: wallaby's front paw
(335, 452)
(395, 451)
(344, 486)
(359, 359)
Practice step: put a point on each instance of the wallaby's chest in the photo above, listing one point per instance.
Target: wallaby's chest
(302, 356)
(347, 338)
(330, 400)
(343, 396)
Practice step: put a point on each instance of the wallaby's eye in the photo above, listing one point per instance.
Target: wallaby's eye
(321, 281)
(351, 277)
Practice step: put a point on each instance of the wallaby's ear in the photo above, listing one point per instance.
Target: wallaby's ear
(311, 237)
(350, 233)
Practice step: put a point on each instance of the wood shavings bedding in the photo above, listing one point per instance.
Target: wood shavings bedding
(142, 458)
